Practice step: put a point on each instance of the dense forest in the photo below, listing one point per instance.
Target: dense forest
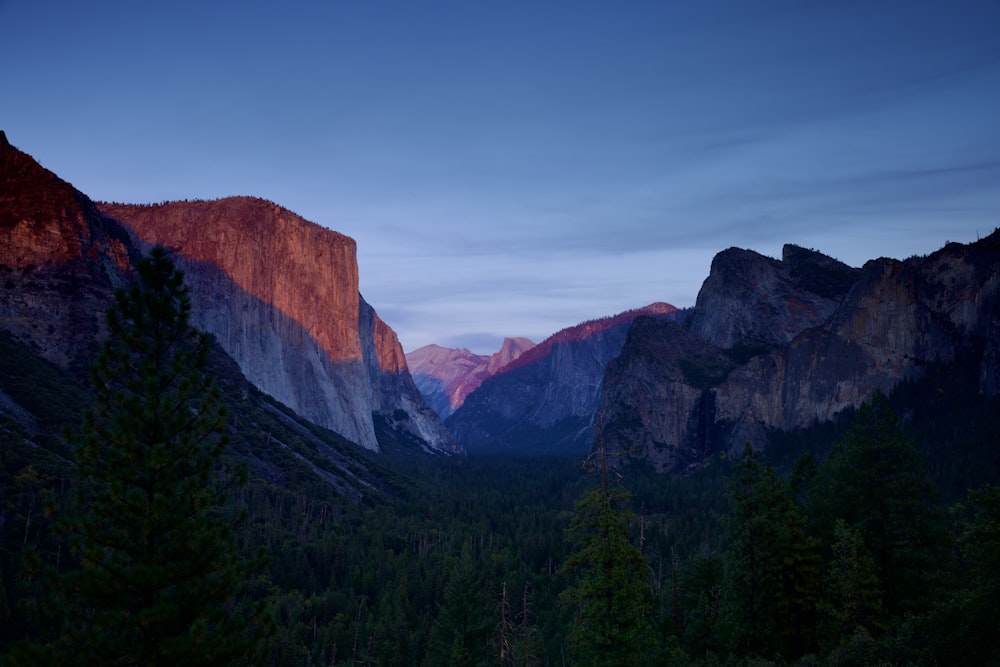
(874, 540)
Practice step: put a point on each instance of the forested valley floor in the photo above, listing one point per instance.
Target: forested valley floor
(872, 541)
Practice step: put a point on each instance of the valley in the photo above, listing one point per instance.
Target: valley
(800, 469)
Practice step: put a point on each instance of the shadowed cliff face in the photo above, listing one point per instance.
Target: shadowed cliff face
(60, 261)
(676, 395)
(395, 397)
(754, 301)
(545, 399)
(281, 295)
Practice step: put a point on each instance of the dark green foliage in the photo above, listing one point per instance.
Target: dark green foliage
(852, 603)
(773, 582)
(158, 566)
(822, 275)
(42, 389)
(875, 481)
(391, 570)
(953, 424)
(461, 632)
(610, 602)
(706, 370)
(696, 609)
(964, 627)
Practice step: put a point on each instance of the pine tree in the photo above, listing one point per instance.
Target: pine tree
(611, 601)
(853, 600)
(774, 564)
(158, 565)
(461, 632)
(969, 617)
(876, 482)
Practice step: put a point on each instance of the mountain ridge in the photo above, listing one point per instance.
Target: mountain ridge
(755, 370)
(336, 362)
(544, 401)
(446, 376)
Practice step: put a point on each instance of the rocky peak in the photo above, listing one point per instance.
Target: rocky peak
(396, 399)
(753, 301)
(677, 394)
(511, 349)
(545, 399)
(590, 329)
(446, 376)
(60, 260)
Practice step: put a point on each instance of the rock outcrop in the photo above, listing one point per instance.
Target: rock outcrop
(280, 294)
(446, 376)
(60, 261)
(807, 344)
(544, 401)
(753, 301)
(395, 397)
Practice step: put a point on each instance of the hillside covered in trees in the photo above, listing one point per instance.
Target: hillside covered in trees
(873, 540)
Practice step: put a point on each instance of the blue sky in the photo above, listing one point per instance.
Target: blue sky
(510, 168)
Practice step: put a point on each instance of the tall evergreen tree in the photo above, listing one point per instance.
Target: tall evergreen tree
(966, 626)
(876, 482)
(158, 563)
(611, 601)
(774, 565)
(461, 632)
(853, 601)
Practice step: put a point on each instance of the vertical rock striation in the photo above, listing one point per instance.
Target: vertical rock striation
(395, 397)
(785, 344)
(281, 295)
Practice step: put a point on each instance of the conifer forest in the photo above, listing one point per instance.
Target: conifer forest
(136, 530)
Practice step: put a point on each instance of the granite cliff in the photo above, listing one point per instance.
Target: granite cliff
(397, 405)
(280, 294)
(544, 400)
(786, 344)
(446, 376)
(60, 261)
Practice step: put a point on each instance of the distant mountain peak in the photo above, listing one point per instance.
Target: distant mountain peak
(446, 376)
(544, 400)
(590, 327)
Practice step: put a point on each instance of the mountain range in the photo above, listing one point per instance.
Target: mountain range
(446, 376)
(771, 345)
(781, 345)
(544, 401)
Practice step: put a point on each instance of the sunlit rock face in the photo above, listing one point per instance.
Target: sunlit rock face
(677, 394)
(545, 399)
(446, 376)
(60, 261)
(281, 295)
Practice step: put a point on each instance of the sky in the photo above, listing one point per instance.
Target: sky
(515, 167)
